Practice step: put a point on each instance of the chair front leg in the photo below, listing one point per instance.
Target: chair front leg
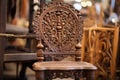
(39, 75)
(90, 75)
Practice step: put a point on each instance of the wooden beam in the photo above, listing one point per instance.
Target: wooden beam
(15, 57)
(18, 35)
(99, 28)
(2, 30)
(14, 29)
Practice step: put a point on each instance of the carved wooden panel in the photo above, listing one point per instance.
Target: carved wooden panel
(59, 25)
(100, 48)
(65, 74)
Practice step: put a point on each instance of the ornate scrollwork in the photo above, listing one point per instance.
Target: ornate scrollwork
(99, 50)
(105, 46)
(65, 74)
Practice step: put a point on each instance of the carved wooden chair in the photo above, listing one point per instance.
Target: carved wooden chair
(100, 48)
(59, 32)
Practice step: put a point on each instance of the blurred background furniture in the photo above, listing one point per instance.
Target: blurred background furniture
(100, 48)
(17, 54)
(11, 50)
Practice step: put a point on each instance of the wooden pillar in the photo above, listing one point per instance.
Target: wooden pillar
(30, 44)
(2, 30)
(30, 15)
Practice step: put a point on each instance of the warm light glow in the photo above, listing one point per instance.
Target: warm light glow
(77, 6)
(113, 20)
(36, 1)
(78, 0)
(83, 4)
(36, 7)
(68, 1)
(89, 3)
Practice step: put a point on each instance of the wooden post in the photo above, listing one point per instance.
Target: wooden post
(30, 15)
(29, 44)
(2, 30)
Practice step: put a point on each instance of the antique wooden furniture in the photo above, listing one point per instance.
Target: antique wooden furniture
(100, 48)
(59, 33)
(12, 53)
(16, 54)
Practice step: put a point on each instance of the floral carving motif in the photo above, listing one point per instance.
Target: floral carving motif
(60, 29)
(60, 26)
(65, 74)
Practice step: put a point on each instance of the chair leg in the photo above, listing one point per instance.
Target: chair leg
(90, 75)
(22, 75)
(17, 69)
(24, 65)
(40, 75)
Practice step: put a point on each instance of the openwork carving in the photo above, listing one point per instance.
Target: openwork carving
(65, 74)
(100, 49)
(59, 25)
(56, 57)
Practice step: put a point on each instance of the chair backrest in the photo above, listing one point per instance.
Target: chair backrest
(58, 28)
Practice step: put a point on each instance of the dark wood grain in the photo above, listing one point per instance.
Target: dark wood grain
(2, 30)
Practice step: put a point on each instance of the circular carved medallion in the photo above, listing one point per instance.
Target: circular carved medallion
(60, 28)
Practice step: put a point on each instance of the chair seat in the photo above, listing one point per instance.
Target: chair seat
(63, 65)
